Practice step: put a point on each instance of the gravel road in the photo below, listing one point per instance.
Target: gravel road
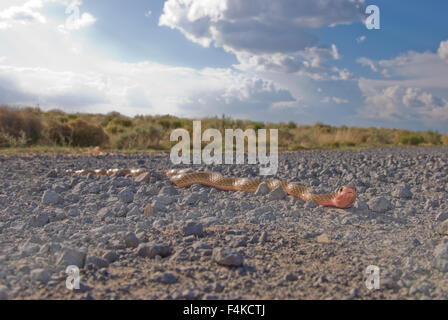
(146, 239)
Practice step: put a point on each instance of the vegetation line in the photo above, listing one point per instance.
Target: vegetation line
(57, 131)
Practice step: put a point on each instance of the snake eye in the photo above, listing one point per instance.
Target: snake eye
(341, 189)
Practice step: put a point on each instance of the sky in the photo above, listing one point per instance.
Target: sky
(305, 61)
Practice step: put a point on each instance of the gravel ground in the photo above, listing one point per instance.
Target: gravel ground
(146, 239)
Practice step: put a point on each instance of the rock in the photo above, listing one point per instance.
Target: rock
(147, 250)
(442, 228)
(227, 257)
(131, 240)
(360, 205)
(3, 293)
(144, 177)
(402, 192)
(168, 191)
(192, 199)
(111, 256)
(323, 238)
(310, 205)
(277, 194)
(190, 294)
(41, 275)
(442, 216)
(160, 223)
(105, 213)
(262, 189)
(40, 219)
(126, 195)
(162, 201)
(193, 228)
(263, 238)
(201, 246)
(165, 277)
(51, 198)
(134, 212)
(441, 255)
(72, 256)
(290, 277)
(97, 261)
(380, 204)
(148, 210)
(52, 174)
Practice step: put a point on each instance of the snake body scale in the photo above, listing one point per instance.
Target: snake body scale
(343, 198)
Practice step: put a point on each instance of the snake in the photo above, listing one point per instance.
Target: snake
(343, 197)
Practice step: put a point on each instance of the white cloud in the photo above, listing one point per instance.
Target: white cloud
(264, 35)
(133, 88)
(23, 14)
(403, 104)
(416, 89)
(85, 20)
(148, 13)
(361, 39)
(31, 12)
(334, 100)
(443, 50)
(368, 63)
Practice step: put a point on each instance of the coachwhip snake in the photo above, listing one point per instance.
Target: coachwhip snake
(343, 198)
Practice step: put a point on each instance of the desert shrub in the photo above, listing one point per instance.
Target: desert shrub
(412, 139)
(85, 134)
(381, 136)
(58, 133)
(142, 137)
(8, 141)
(292, 125)
(17, 123)
(433, 138)
(165, 123)
(444, 139)
(258, 125)
(335, 145)
(177, 124)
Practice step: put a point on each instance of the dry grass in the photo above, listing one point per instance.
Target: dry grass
(29, 127)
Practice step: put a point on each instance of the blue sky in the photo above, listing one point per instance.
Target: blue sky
(284, 60)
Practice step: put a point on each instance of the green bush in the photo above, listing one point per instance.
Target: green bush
(9, 141)
(413, 140)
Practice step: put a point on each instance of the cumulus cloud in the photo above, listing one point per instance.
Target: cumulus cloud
(403, 104)
(334, 100)
(264, 35)
(415, 89)
(22, 14)
(85, 20)
(443, 50)
(133, 88)
(31, 12)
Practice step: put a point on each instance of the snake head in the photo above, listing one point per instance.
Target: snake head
(345, 197)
